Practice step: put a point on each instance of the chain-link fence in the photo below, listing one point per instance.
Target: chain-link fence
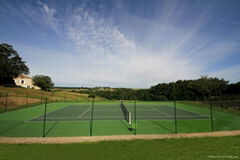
(11, 101)
(55, 115)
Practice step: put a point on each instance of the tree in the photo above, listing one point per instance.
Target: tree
(233, 89)
(11, 64)
(209, 86)
(44, 82)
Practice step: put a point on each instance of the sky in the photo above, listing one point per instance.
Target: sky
(124, 43)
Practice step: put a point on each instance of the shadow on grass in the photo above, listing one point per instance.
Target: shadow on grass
(158, 124)
(129, 128)
(51, 128)
(193, 127)
(12, 127)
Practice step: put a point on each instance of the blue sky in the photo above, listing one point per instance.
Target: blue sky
(124, 43)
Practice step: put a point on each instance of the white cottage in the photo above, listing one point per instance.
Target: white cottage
(25, 81)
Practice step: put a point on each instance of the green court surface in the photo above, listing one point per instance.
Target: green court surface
(74, 119)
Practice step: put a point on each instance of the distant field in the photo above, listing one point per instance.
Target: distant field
(161, 149)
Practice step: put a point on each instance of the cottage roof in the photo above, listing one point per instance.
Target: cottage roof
(23, 76)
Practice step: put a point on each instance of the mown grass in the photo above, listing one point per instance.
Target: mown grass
(161, 149)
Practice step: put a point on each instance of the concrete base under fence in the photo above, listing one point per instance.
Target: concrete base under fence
(63, 140)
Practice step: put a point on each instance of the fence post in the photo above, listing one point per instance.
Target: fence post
(52, 97)
(41, 97)
(6, 101)
(175, 116)
(26, 100)
(91, 124)
(211, 113)
(135, 117)
(221, 101)
(175, 108)
(44, 120)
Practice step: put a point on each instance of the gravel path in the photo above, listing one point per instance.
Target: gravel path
(62, 140)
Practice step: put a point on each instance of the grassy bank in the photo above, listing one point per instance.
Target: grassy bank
(166, 149)
(13, 98)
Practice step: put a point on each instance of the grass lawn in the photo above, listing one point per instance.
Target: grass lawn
(165, 149)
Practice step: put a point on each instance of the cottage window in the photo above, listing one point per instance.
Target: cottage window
(22, 81)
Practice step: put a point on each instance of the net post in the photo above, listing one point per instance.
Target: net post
(91, 122)
(175, 116)
(130, 118)
(44, 120)
(211, 114)
(135, 117)
(6, 101)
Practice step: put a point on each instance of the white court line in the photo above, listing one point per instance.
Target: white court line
(86, 117)
(121, 117)
(46, 114)
(160, 111)
(80, 116)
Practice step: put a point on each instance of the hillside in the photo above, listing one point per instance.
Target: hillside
(12, 98)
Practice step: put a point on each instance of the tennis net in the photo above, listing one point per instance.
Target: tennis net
(126, 114)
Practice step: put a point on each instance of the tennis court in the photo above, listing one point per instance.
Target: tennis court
(82, 112)
(110, 118)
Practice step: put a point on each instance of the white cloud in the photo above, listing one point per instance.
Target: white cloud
(97, 35)
(48, 16)
(230, 73)
(103, 54)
